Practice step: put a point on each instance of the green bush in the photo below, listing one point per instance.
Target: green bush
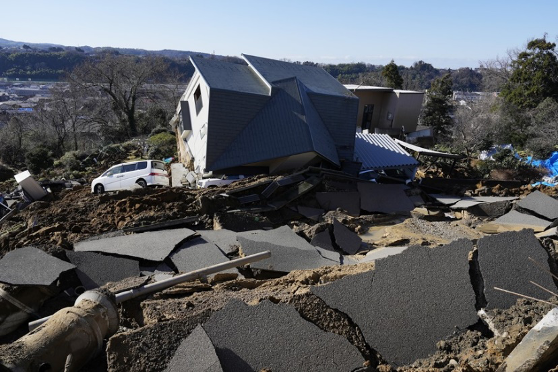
(39, 159)
(162, 145)
(70, 161)
(159, 130)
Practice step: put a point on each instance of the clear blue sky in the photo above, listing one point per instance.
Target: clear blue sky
(443, 33)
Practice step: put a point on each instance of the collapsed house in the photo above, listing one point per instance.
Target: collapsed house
(267, 116)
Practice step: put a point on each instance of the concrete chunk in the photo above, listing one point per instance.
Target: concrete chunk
(95, 270)
(504, 263)
(384, 198)
(31, 266)
(196, 354)
(537, 350)
(410, 301)
(274, 337)
(153, 245)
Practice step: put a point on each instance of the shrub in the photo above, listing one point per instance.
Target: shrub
(70, 161)
(161, 145)
(39, 159)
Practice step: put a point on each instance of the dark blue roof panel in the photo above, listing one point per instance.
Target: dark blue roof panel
(229, 76)
(315, 78)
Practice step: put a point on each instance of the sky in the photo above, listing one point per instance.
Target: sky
(444, 33)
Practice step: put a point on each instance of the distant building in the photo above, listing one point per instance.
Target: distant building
(386, 110)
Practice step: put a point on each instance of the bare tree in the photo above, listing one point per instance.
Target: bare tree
(497, 72)
(474, 124)
(120, 78)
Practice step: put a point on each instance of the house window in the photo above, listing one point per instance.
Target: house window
(367, 116)
(198, 100)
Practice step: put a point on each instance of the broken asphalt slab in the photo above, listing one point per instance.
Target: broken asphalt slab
(540, 204)
(346, 239)
(198, 253)
(196, 353)
(95, 270)
(515, 221)
(223, 238)
(347, 200)
(504, 263)
(152, 246)
(31, 266)
(275, 337)
(288, 250)
(384, 198)
(410, 301)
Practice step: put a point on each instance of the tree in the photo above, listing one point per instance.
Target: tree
(534, 75)
(121, 78)
(437, 110)
(473, 128)
(543, 129)
(391, 74)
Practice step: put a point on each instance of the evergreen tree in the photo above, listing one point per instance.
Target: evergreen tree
(437, 110)
(391, 74)
(534, 75)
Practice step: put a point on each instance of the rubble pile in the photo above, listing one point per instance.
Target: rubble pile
(362, 276)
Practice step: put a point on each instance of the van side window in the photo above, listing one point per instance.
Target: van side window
(129, 168)
(142, 165)
(116, 170)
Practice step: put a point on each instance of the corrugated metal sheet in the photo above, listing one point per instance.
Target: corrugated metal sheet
(380, 151)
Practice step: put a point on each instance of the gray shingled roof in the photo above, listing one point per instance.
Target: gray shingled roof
(380, 151)
(315, 78)
(288, 125)
(229, 76)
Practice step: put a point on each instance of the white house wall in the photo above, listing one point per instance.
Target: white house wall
(196, 140)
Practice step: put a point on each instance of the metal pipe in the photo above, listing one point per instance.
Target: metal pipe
(167, 283)
(164, 284)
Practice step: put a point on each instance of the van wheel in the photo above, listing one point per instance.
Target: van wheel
(99, 189)
(142, 183)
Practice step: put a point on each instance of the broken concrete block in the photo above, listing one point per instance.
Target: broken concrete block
(410, 301)
(504, 263)
(95, 270)
(347, 200)
(384, 198)
(540, 204)
(198, 253)
(537, 351)
(152, 245)
(247, 338)
(346, 239)
(31, 266)
(195, 353)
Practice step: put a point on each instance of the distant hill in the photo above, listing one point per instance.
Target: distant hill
(20, 45)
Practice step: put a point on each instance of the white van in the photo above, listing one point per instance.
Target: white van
(122, 176)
